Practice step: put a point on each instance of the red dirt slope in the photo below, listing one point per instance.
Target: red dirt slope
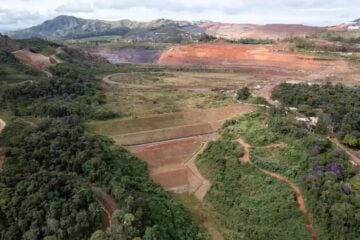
(240, 55)
(35, 60)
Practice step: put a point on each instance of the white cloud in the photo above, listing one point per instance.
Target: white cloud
(25, 13)
(75, 8)
(13, 17)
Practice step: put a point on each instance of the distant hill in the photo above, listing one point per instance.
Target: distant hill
(68, 27)
(162, 30)
(345, 26)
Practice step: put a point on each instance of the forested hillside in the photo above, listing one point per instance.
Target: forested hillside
(337, 106)
(53, 166)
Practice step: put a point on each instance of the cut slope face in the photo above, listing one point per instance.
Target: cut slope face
(163, 127)
(34, 60)
(169, 143)
(240, 55)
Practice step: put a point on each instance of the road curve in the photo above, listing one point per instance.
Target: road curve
(299, 198)
(353, 158)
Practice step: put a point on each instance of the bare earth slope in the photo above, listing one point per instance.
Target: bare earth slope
(35, 60)
(169, 143)
(270, 31)
(241, 55)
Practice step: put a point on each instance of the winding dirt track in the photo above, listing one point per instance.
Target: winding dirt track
(354, 159)
(299, 198)
(2, 124)
(107, 204)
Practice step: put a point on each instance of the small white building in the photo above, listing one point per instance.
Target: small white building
(353, 28)
(309, 121)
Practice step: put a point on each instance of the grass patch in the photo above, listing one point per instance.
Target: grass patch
(250, 204)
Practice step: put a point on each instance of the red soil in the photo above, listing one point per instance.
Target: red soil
(240, 55)
(167, 153)
(170, 151)
(35, 60)
(171, 164)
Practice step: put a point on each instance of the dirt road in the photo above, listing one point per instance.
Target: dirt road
(201, 191)
(354, 159)
(299, 198)
(2, 124)
(108, 205)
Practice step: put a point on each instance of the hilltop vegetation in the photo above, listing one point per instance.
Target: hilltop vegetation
(336, 105)
(325, 175)
(52, 167)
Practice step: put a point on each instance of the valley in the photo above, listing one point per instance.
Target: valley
(179, 130)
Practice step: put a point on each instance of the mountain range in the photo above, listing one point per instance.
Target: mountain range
(69, 27)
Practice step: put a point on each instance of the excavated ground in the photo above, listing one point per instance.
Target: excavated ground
(169, 143)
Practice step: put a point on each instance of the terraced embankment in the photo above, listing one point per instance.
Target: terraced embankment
(169, 143)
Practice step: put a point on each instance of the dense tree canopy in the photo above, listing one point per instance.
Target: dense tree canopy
(337, 105)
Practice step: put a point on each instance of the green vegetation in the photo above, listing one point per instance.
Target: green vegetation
(251, 41)
(47, 188)
(243, 94)
(323, 172)
(12, 70)
(338, 107)
(248, 203)
(38, 45)
(52, 168)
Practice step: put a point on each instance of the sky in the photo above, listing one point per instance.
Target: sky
(17, 14)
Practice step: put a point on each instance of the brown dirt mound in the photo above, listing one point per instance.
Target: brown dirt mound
(34, 60)
(240, 55)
